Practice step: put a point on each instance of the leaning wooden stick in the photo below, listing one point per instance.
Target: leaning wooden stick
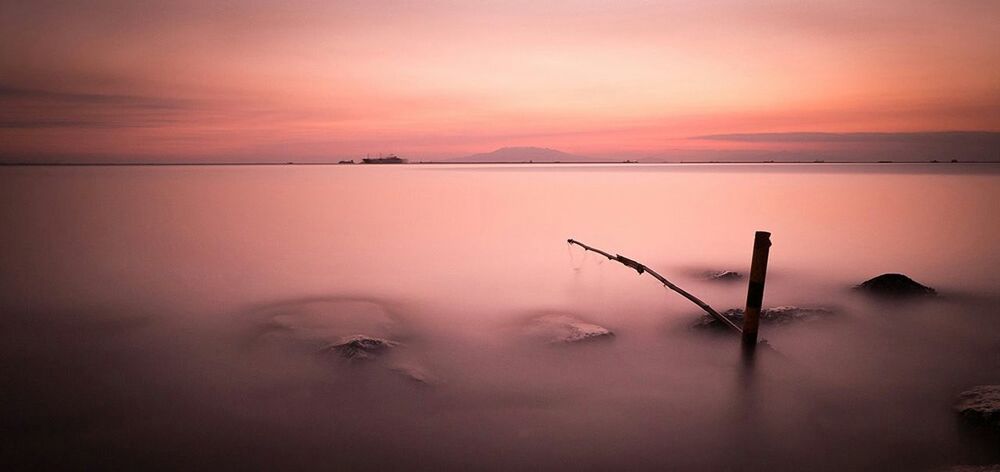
(640, 268)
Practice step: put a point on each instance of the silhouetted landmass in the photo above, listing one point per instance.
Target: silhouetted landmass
(523, 154)
(384, 160)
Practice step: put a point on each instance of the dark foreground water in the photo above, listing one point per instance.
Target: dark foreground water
(174, 317)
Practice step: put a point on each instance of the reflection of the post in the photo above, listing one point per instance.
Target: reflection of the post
(747, 382)
(743, 428)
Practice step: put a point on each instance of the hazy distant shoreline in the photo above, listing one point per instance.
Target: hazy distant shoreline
(453, 163)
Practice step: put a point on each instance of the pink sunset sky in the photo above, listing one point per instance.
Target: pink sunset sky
(309, 80)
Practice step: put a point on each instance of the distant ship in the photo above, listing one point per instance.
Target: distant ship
(390, 159)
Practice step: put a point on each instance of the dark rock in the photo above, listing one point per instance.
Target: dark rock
(557, 328)
(723, 275)
(980, 406)
(894, 285)
(359, 346)
(779, 315)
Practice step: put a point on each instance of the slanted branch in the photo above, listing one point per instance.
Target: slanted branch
(642, 268)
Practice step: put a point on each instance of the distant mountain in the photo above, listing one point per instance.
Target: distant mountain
(523, 154)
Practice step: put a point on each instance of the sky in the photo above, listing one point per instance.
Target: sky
(270, 80)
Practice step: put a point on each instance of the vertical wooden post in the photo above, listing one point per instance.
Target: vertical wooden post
(755, 291)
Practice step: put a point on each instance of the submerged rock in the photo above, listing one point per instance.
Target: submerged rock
(414, 372)
(894, 285)
(779, 315)
(359, 347)
(723, 275)
(370, 350)
(340, 332)
(980, 405)
(974, 468)
(566, 329)
(311, 324)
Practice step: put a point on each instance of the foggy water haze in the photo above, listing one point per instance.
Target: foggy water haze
(178, 317)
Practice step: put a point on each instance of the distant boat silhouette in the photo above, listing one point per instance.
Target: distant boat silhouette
(390, 159)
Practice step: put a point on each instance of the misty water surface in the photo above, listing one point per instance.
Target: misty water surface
(173, 317)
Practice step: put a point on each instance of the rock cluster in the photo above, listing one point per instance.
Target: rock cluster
(779, 315)
(980, 405)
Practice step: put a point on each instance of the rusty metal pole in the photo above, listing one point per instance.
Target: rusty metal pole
(755, 291)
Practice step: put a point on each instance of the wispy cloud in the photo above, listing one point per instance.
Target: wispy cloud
(956, 137)
(36, 108)
(52, 96)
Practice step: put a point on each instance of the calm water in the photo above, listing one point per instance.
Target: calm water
(171, 316)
